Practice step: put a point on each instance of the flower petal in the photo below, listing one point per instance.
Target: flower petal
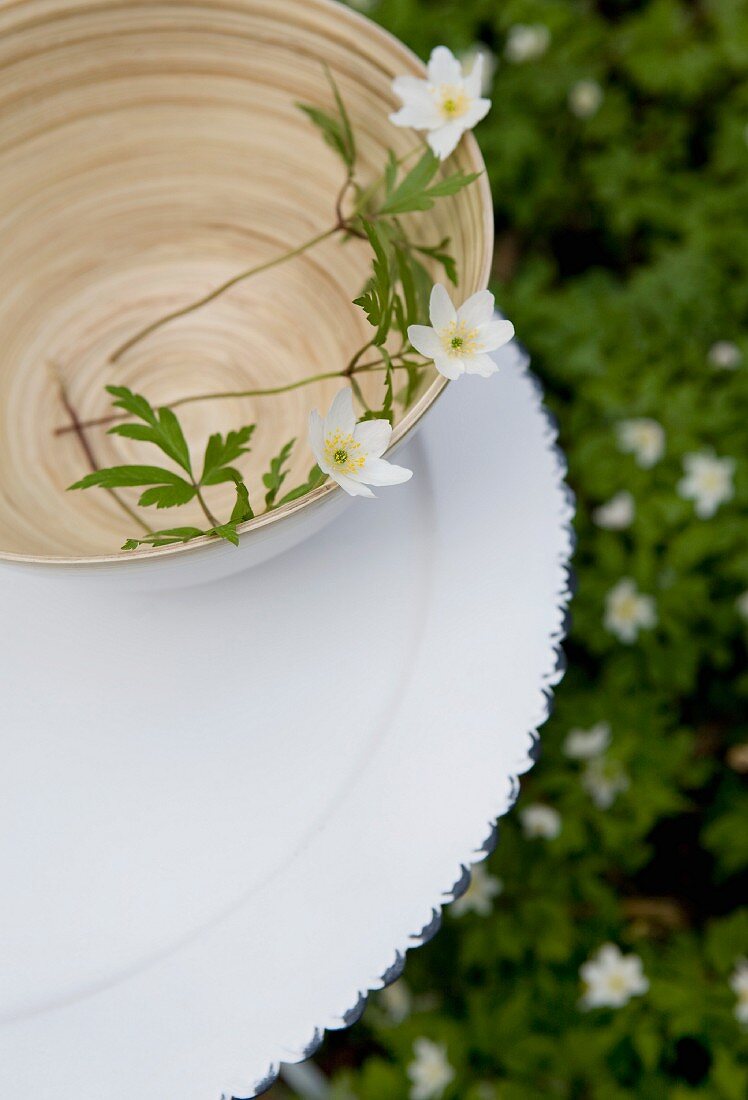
(474, 82)
(341, 417)
(352, 486)
(425, 340)
(441, 310)
(444, 140)
(483, 365)
(316, 435)
(444, 68)
(494, 335)
(477, 310)
(380, 472)
(477, 110)
(374, 436)
(449, 367)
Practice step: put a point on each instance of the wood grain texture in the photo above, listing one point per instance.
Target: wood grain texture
(148, 151)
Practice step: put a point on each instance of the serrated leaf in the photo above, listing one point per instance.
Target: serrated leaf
(410, 193)
(162, 428)
(226, 531)
(242, 509)
(276, 475)
(315, 479)
(452, 184)
(168, 537)
(345, 122)
(220, 451)
(120, 477)
(167, 496)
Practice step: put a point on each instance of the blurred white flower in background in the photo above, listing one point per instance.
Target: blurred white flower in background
(479, 51)
(351, 453)
(707, 482)
(742, 604)
(644, 438)
(445, 105)
(397, 1001)
(611, 979)
(617, 514)
(430, 1071)
(460, 340)
(586, 744)
(540, 821)
(604, 780)
(739, 986)
(478, 898)
(585, 98)
(526, 42)
(627, 611)
(724, 355)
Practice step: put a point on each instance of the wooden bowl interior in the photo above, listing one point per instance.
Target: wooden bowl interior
(148, 152)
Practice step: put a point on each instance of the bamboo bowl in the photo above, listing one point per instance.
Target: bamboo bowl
(150, 150)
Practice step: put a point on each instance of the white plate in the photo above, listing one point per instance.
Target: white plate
(226, 813)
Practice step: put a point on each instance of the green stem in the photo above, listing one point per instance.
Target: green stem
(363, 368)
(208, 514)
(219, 290)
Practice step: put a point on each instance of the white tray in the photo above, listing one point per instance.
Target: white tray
(227, 812)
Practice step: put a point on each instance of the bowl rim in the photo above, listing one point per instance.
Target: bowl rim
(474, 163)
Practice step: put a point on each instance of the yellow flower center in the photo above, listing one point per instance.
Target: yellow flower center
(628, 608)
(458, 340)
(452, 100)
(343, 452)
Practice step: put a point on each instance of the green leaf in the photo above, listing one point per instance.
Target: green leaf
(414, 193)
(336, 130)
(345, 122)
(167, 496)
(168, 537)
(453, 184)
(226, 531)
(120, 477)
(221, 451)
(377, 299)
(276, 475)
(314, 480)
(161, 428)
(242, 509)
(410, 193)
(438, 253)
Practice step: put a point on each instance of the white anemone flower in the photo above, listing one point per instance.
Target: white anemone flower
(739, 986)
(741, 605)
(585, 98)
(351, 453)
(587, 744)
(540, 821)
(604, 780)
(490, 63)
(446, 104)
(460, 340)
(724, 355)
(478, 898)
(707, 482)
(627, 611)
(616, 514)
(526, 42)
(644, 438)
(430, 1071)
(611, 979)
(397, 1001)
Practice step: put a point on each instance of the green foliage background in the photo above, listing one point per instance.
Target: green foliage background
(621, 257)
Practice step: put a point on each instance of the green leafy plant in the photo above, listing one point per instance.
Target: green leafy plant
(395, 296)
